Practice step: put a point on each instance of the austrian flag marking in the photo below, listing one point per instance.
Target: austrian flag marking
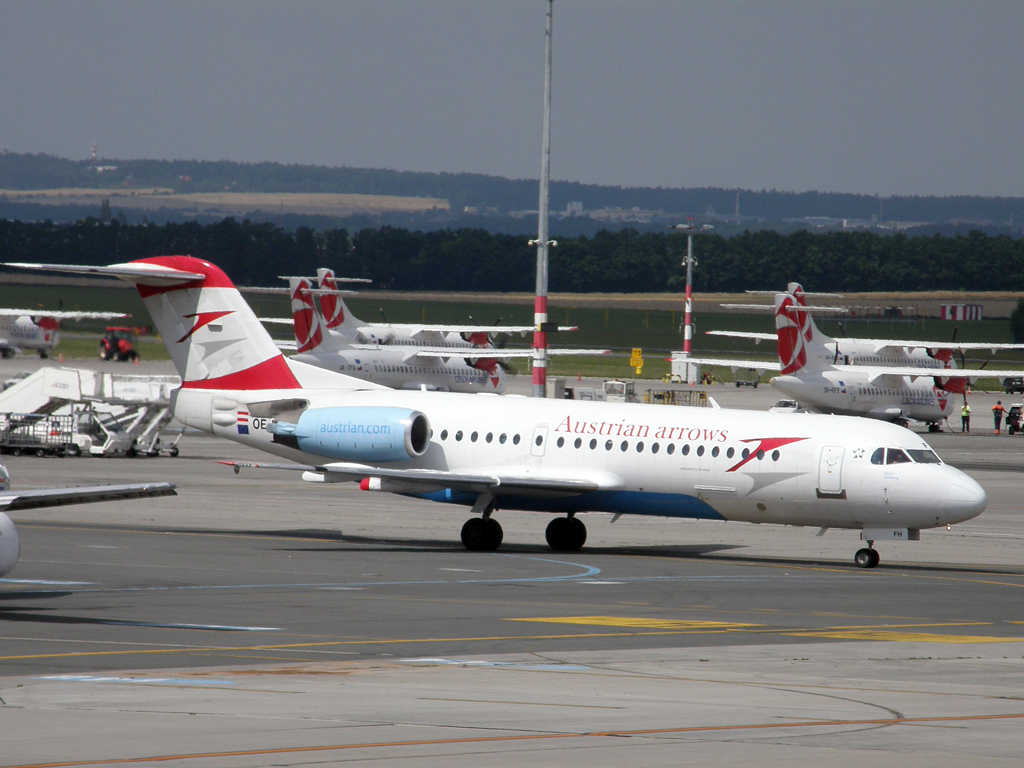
(243, 422)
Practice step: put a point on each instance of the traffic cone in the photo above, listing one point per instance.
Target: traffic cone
(579, 377)
(136, 361)
(60, 358)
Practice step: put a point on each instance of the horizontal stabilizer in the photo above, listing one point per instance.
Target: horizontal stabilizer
(54, 497)
(136, 272)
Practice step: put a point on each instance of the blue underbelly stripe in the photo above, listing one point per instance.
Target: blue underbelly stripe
(624, 502)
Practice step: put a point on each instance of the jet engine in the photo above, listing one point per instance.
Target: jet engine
(357, 433)
(10, 546)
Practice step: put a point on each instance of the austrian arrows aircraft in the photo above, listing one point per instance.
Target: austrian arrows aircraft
(557, 456)
(432, 357)
(864, 378)
(10, 501)
(27, 329)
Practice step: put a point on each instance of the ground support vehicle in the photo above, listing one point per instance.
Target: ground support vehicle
(83, 431)
(1015, 418)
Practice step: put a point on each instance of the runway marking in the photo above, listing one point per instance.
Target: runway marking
(637, 623)
(210, 627)
(880, 722)
(905, 637)
(509, 664)
(521, 703)
(135, 680)
(43, 582)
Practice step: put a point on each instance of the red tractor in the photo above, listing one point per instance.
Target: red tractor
(119, 345)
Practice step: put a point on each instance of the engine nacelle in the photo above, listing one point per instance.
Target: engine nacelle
(356, 433)
(10, 546)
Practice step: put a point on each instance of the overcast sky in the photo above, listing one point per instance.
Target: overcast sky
(921, 97)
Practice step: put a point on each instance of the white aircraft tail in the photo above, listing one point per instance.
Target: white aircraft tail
(309, 335)
(797, 334)
(211, 333)
(332, 307)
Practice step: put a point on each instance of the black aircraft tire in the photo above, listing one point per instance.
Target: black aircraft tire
(474, 534)
(494, 534)
(875, 559)
(865, 558)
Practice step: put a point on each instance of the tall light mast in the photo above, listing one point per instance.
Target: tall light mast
(540, 306)
(690, 229)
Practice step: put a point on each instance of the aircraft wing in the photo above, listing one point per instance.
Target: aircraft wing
(760, 365)
(881, 344)
(278, 320)
(418, 328)
(477, 353)
(54, 497)
(771, 308)
(61, 315)
(285, 346)
(759, 337)
(423, 480)
(875, 372)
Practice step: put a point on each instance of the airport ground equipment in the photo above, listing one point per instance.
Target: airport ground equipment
(689, 397)
(45, 434)
(119, 344)
(1015, 418)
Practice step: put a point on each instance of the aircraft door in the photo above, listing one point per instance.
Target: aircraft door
(539, 441)
(830, 471)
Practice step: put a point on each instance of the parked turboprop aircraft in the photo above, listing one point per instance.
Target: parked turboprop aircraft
(557, 456)
(27, 329)
(10, 501)
(443, 358)
(920, 388)
(857, 351)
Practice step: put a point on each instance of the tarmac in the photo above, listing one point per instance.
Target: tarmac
(256, 620)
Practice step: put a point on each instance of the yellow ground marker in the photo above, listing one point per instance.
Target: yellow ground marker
(639, 623)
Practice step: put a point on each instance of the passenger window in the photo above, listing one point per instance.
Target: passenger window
(593, 445)
(685, 450)
(746, 452)
(655, 448)
(608, 445)
(896, 456)
(561, 442)
(539, 439)
(625, 445)
(714, 452)
(670, 449)
(731, 452)
(775, 455)
(515, 440)
(578, 443)
(473, 437)
(458, 435)
(639, 447)
(444, 434)
(878, 457)
(700, 450)
(490, 437)
(502, 438)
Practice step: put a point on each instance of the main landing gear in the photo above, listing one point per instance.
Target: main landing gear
(566, 534)
(484, 534)
(867, 557)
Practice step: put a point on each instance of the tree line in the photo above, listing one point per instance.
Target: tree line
(40, 171)
(255, 253)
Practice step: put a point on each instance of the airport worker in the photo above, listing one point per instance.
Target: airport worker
(997, 415)
(965, 418)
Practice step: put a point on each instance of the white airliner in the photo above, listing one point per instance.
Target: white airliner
(558, 456)
(11, 501)
(433, 357)
(37, 330)
(864, 378)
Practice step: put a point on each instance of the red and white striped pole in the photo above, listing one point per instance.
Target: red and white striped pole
(540, 306)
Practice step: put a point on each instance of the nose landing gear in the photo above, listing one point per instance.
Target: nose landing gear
(566, 534)
(867, 557)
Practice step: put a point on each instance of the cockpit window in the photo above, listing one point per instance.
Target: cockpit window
(896, 456)
(924, 456)
(878, 457)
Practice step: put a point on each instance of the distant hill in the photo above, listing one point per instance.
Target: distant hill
(497, 197)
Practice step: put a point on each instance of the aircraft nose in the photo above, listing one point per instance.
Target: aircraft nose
(964, 498)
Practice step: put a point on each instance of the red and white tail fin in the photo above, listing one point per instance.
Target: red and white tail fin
(812, 334)
(308, 333)
(792, 344)
(211, 333)
(332, 306)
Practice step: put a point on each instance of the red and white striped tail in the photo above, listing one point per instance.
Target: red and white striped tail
(308, 333)
(211, 333)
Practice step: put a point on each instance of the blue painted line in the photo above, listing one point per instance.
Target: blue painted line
(132, 680)
(510, 664)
